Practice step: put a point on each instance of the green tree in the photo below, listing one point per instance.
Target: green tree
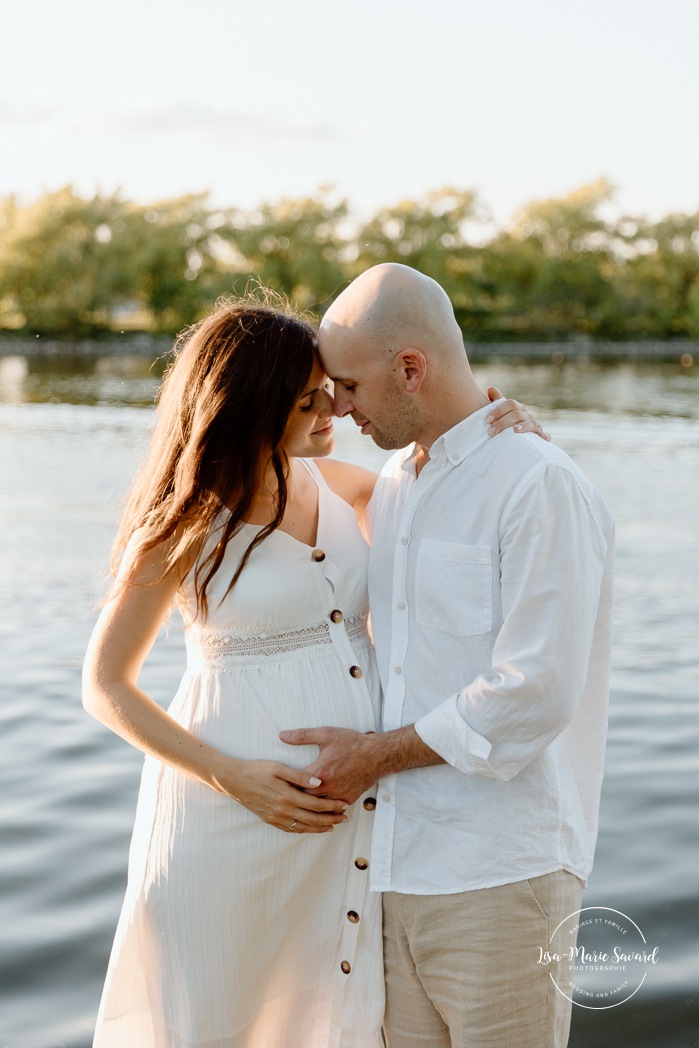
(172, 253)
(294, 245)
(75, 265)
(55, 271)
(660, 279)
(550, 272)
(67, 264)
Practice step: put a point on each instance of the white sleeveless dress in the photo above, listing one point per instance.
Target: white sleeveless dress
(234, 934)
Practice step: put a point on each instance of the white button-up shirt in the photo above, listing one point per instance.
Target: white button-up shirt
(490, 593)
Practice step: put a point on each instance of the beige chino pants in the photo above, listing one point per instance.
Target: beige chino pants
(464, 971)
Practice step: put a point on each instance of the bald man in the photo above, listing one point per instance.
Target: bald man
(490, 594)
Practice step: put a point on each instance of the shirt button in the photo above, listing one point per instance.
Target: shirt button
(346, 967)
(353, 917)
(404, 541)
(397, 669)
(400, 605)
(356, 671)
(361, 863)
(318, 555)
(370, 803)
(386, 797)
(336, 616)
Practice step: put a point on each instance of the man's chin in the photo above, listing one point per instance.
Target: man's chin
(384, 442)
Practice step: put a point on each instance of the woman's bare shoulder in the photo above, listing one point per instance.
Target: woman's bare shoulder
(352, 483)
(145, 562)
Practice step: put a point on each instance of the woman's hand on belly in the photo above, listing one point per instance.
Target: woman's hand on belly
(275, 793)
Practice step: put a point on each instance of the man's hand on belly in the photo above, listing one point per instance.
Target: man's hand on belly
(350, 762)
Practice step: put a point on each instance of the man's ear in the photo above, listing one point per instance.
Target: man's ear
(412, 365)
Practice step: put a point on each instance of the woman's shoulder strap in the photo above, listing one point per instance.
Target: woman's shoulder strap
(317, 474)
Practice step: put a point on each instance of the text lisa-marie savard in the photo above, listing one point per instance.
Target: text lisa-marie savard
(616, 959)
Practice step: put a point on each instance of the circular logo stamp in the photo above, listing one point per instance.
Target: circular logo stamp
(598, 957)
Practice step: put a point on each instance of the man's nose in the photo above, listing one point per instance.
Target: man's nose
(342, 405)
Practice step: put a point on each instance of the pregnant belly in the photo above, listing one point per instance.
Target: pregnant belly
(241, 711)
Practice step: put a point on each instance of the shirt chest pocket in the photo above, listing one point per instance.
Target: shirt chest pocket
(453, 587)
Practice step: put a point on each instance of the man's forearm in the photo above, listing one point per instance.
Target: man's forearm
(350, 762)
(401, 749)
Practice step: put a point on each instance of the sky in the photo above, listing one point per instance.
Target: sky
(384, 101)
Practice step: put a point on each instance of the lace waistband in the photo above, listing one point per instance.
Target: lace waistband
(218, 646)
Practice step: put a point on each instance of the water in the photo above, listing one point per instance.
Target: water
(69, 437)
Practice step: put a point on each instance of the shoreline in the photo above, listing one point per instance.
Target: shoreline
(683, 351)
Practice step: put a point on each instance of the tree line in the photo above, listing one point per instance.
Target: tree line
(561, 268)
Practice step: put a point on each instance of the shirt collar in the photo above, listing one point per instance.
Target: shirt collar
(458, 442)
(463, 438)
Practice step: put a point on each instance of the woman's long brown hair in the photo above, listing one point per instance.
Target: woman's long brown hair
(223, 410)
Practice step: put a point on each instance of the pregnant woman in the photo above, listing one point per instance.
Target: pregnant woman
(247, 921)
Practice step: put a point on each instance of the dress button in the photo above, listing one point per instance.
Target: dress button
(318, 555)
(336, 616)
(400, 605)
(346, 967)
(404, 540)
(356, 671)
(353, 917)
(361, 863)
(370, 803)
(397, 669)
(386, 797)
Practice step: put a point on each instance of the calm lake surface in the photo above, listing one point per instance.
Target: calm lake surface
(70, 436)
